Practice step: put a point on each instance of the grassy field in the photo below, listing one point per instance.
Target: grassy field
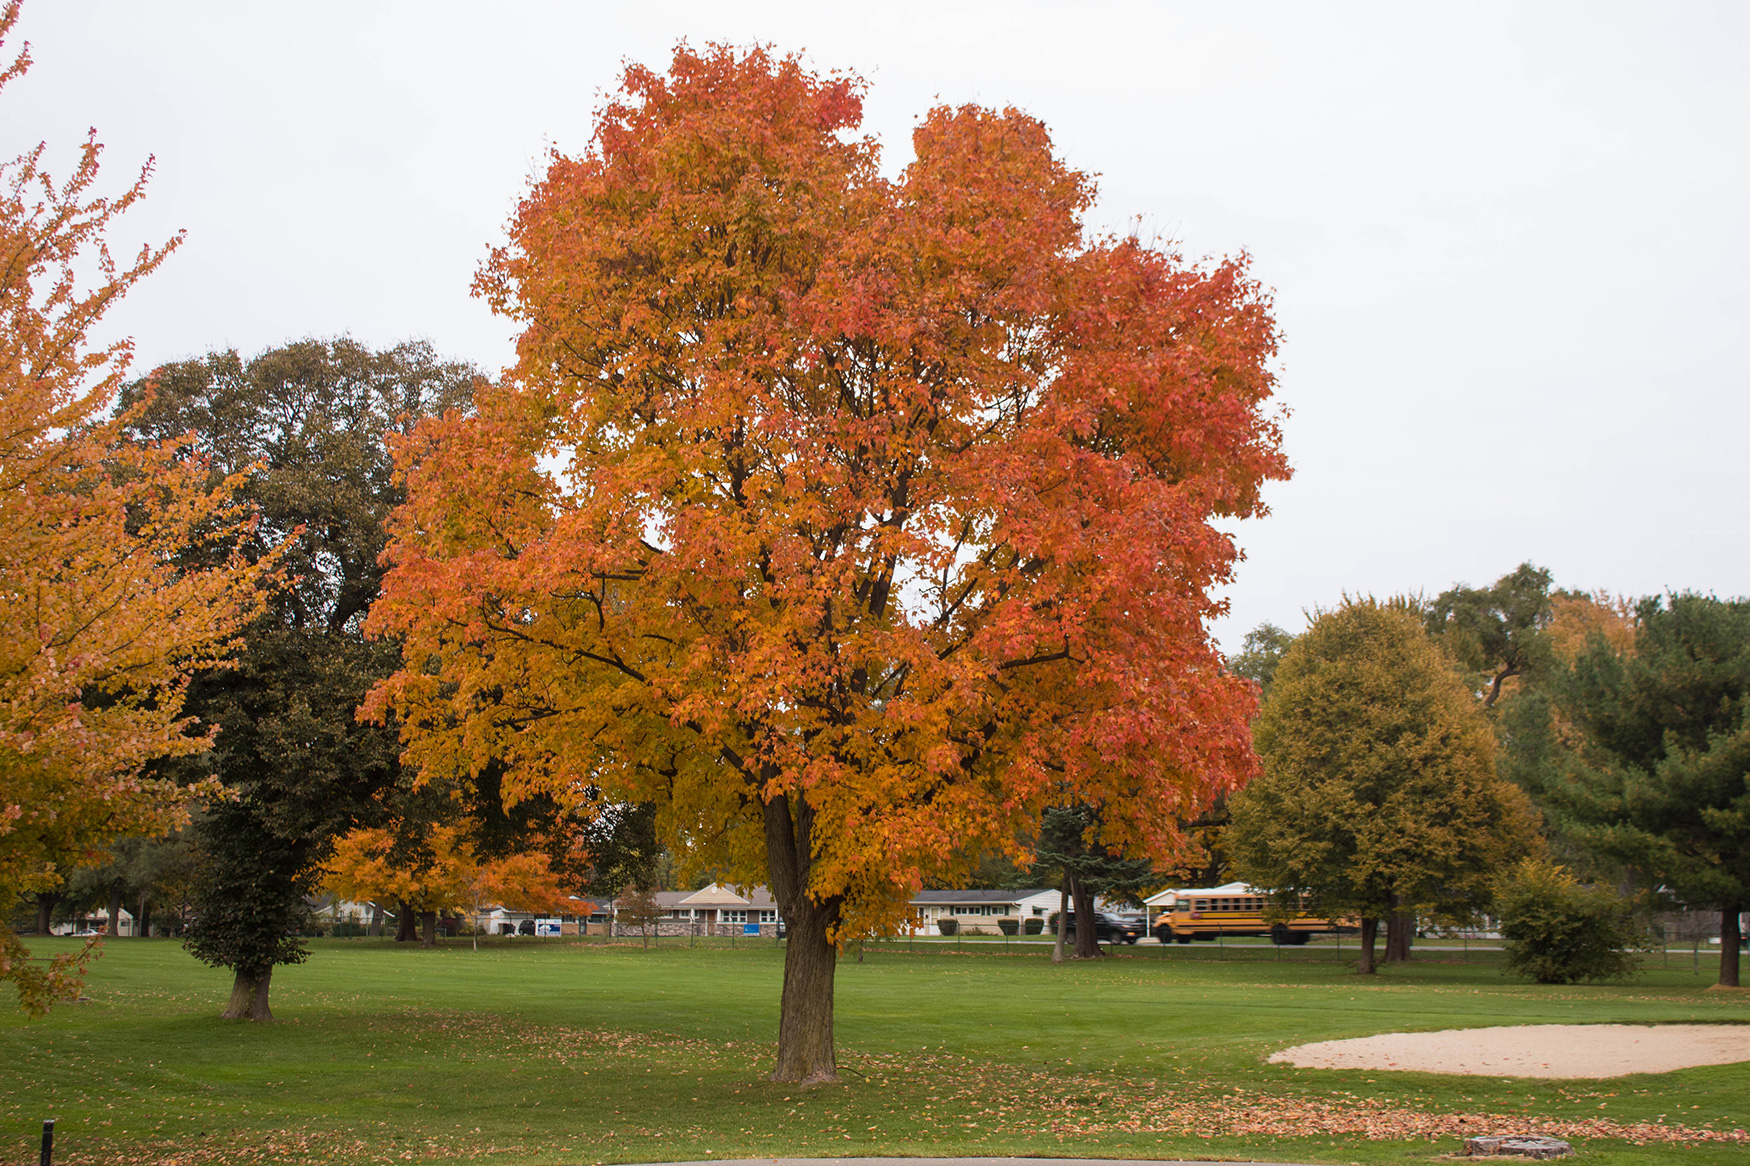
(567, 1052)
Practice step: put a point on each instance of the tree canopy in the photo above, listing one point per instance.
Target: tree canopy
(1260, 653)
(1379, 790)
(1493, 631)
(102, 620)
(306, 424)
(1660, 775)
(852, 521)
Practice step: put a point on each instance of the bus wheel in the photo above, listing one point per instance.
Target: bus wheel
(1280, 935)
(1177, 938)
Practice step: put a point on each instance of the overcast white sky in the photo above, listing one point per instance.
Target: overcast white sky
(1509, 243)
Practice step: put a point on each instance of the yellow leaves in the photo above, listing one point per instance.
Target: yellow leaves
(1575, 619)
(120, 575)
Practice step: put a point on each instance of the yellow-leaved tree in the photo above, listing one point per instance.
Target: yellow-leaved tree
(117, 581)
(1379, 792)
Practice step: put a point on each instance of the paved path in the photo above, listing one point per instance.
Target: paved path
(970, 1162)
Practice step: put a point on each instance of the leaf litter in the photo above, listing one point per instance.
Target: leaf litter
(987, 1102)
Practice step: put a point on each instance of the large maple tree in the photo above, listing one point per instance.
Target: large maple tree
(103, 621)
(852, 520)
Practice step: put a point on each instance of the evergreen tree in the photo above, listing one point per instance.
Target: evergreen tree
(1070, 854)
(1660, 778)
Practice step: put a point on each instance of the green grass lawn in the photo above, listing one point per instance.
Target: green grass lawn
(560, 1051)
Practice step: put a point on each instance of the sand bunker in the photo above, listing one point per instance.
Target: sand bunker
(1534, 1050)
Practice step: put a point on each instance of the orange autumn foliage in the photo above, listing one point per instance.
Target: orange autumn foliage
(367, 867)
(853, 521)
(1575, 619)
(103, 616)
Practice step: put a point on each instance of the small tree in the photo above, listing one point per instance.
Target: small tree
(446, 872)
(1559, 931)
(638, 907)
(1085, 868)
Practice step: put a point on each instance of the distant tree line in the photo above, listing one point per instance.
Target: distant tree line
(1436, 759)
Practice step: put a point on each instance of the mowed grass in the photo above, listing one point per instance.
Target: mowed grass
(559, 1052)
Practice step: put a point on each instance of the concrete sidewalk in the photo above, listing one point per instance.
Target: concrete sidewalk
(972, 1162)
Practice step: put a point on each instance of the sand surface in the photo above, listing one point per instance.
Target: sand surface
(1534, 1050)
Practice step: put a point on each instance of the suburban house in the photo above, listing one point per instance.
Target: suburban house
(583, 916)
(96, 922)
(977, 911)
(713, 910)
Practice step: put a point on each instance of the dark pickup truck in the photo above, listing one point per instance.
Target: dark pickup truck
(1109, 927)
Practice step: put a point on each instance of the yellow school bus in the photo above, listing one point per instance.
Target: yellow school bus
(1235, 909)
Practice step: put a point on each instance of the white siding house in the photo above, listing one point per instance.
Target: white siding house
(977, 911)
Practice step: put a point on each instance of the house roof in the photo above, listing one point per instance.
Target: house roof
(978, 896)
(718, 895)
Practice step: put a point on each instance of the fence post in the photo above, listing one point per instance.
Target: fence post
(48, 1141)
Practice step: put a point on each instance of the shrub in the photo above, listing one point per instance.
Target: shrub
(1032, 926)
(947, 926)
(1008, 926)
(1558, 931)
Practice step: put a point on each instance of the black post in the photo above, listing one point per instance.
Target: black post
(48, 1141)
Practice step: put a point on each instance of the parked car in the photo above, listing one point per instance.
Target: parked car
(1109, 927)
(87, 933)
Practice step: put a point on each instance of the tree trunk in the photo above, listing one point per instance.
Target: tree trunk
(1062, 919)
(404, 925)
(115, 908)
(1369, 931)
(249, 997)
(428, 925)
(45, 910)
(376, 927)
(805, 1043)
(1730, 937)
(143, 916)
(1087, 927)
(1400, 928)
